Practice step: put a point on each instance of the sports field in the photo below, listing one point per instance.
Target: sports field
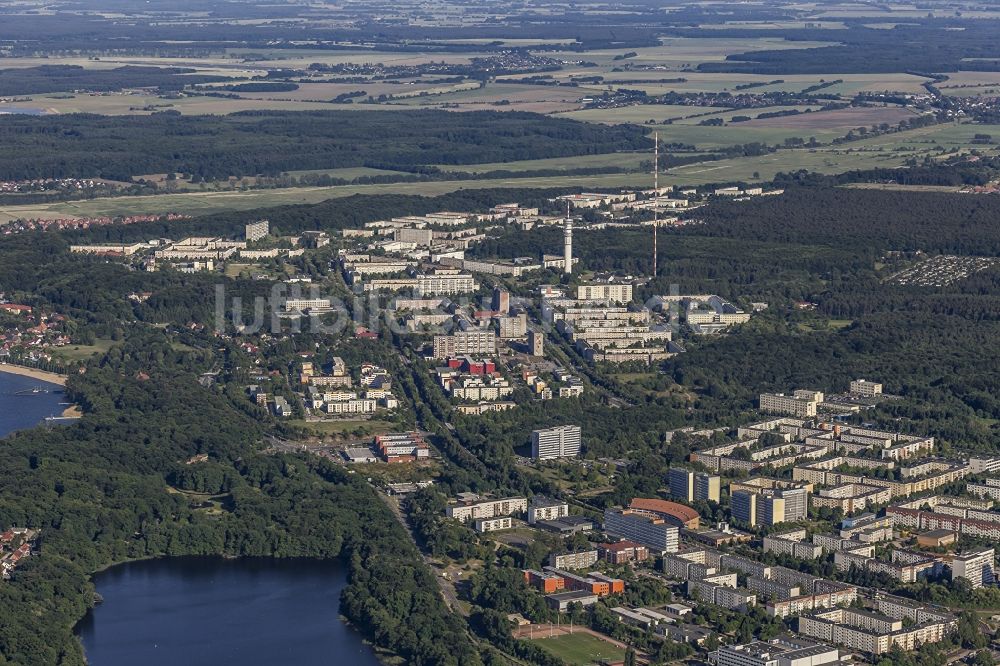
(580, 649)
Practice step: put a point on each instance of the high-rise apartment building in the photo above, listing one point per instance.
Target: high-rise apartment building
(977, 567)
(465, 343)
(257, 230)
(559, 442)
(616, 293)
(688, 486)
(536, 343)
(654, 533)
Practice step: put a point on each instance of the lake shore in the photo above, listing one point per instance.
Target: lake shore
(40, 375)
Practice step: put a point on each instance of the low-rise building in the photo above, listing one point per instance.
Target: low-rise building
(579, 560)
(471, 506)
(786, 651)
(561, 601)
(545, 508)
(623, 552)
(493, 524)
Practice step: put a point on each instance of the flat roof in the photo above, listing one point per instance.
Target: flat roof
(937, 534)
(360, 453)
(570, 596)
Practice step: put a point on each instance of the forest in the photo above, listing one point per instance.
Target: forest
(68, 78)
(271, 142)
(921, 46)
(98, 490)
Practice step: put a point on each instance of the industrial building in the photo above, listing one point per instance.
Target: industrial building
(786, 651)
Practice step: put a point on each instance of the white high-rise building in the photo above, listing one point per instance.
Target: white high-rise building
(257, 230)
(977, 567)
(559, 442)
(568, 246)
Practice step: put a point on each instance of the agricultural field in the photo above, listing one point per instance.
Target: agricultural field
(144, 104)
(821, 125)
(676, 53)
(502, 97)
(641, 114)
(321, 92)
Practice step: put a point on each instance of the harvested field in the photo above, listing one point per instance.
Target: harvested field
(852, 117)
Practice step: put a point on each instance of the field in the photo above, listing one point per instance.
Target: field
(203, 203)
(838, 119)
(631, 161)
(890, 150)
(117, 105)
(580, 649)
(355, 428)
(74, 353)
(641, 114)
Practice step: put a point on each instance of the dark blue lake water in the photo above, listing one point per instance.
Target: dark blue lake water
(210, 611)
(20, 408)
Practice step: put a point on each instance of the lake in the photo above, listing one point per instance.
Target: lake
(24, 411)
(199, 611)
(20, 110)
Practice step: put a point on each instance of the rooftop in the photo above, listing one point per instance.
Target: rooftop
(679, 511)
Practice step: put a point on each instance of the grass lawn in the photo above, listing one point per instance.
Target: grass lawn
(83, 352)
(340, 427)
(581, 649)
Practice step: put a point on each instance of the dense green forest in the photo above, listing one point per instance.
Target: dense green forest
(67, 78)
(98, 491)
(271, 142)
(911, 47)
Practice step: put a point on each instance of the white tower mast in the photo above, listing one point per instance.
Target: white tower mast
(568, 243)
(656, 192)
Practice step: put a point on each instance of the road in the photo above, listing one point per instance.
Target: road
(446, 586)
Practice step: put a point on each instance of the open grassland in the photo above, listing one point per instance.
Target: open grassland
(630, 161)
(714, 138)
(73, 353)
(203, 203)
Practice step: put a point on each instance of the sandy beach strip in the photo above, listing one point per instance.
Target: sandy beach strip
(40, 375)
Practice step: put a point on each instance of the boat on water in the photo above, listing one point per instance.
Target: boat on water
(36, 390)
